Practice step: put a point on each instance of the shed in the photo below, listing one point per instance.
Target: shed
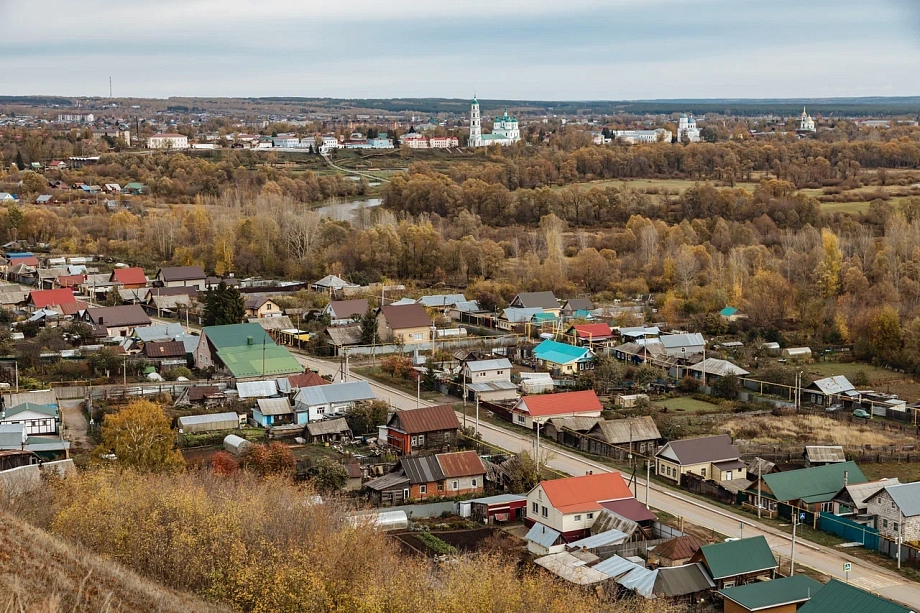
(236, 444)
(500, 508)
(209, 423)
(272, 411)
(257, 389)
(327, 430)
(796, 353)
(821, 455)
(839, 597)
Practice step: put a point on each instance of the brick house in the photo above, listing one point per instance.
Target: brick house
(430, 476)
(897, 510)
(414, 430)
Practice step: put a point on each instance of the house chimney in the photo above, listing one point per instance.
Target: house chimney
(846, 477)
(249, 340)
(101, 322)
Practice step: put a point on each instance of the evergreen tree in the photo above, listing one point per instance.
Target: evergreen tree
(369, 328)
(223, 305)
(19, 163)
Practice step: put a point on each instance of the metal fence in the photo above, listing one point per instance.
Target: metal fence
(849, 530)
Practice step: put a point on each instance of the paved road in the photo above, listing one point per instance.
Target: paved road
(824, 559)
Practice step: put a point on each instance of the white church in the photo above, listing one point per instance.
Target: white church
(806, 123)
(686, 126)
(505, 129)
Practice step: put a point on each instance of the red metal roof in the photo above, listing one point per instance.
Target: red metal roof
(427, 419)
(129, 276)
(42, 298)
(585, 493)
(567, 403)
(30, 260)
(593, 331)
(70, 280)
(631, 509)
(461, 464)
(307, 379)
(72, 308)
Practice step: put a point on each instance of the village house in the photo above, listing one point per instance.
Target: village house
(839, 597)
(577, 308)
(119, 321)
(570, 505)
(273, 412)
(260, 306)
(182, 276)
(414, 430)
(166, 354)
(711, 369)
(513, 317)
(129, 278)
(245, 350)
(407, 324)
(682, 345)
(808, 489)
(37, 419)
(562, 358)
(430, 476)
(738, 562)
(635, 434)
(592, 335)
(330, 431)
(851, 500)
(489, 380)
(783, 595)
(897, 511)
(47, 298)
(545, 301)
(531, 410)
(344, 312)
(316, 402)
(824, 391)
(711, 457)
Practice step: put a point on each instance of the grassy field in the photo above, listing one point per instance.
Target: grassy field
(906, 472)
(809, 429)
(685, 404)
(844, 207)
(880, 379)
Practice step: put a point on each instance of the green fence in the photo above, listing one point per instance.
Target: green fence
(849, 530)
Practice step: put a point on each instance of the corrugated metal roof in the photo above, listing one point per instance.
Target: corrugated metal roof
(675, 341)
(571, 568)
(820, 482)
(519, 315)
(461, 464)
(906, 496)
(441, 300)
(839, 597)
(257, 389)
(641, 580)
(566, 403)
(680, 548)
(719, 368)
(615, 566)
(574, 494)
(775, 593)
(673, 581)
(638, 331)
(317, 395)
(188, 420)
(738, 557)
(496, 364)
(393, 480)
(860, 492)
(825, 453)
(491, 386)
(578, 424)
(543, 300)
(426, 419)
(542, 535)
(833, 385)
(611, 520)
(610, 537)
(499, 499)
(275, 406)
(560, 353)
(328, 426)
(698, 450)
(630, 509)
(166, 332)
(422, 469)
(344, 335)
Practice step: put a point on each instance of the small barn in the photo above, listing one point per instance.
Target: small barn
(327, 430)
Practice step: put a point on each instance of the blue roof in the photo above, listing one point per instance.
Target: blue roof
(560, 353)
(542, 535)
(728, 311)
(615, 566)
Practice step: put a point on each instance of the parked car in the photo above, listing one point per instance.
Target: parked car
(834, 408)
(861, 413)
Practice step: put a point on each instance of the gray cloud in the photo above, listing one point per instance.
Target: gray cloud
(613, 49)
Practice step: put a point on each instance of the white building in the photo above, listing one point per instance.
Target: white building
(167, 141)
(643, 136)
(77, 117)
(443, 142)
(806, 123)
(505, 130)
(330, 142)
(415, 141)
(686, 126)
(286, 141)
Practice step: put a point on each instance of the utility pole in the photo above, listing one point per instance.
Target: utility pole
(124, 371)
(759, 475)
(648, 476)
(418, 390)
(795, 522)
(477, 414)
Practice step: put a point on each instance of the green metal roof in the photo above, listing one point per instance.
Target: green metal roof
(839, 597)
(559, 353)
(768, 594)
(738, 557)
(544, 317)
(28, 406)
(817, 484)
(250, 358)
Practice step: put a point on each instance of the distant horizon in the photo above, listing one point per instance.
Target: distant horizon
(281, 98)
(603, 50)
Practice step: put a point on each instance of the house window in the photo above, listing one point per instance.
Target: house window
(827, 507)
(423, 489)
(535, 508)
(415, 441)
(455, 485)
(498, 372)
(892, 504)
(418, 336)
(544, 512)
(421, 440)
(405, 494)
(896, 526)
(520, 419)
(884, 523)
(578, 518)
(590, 516)
(728, 476)
(473, 482)
(440, 486)
(321, 411)
(702, 472)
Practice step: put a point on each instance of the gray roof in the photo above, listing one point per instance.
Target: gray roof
(860, 492)
(579, 304)
(275, 406)
(637, 331)
(543, 300)
(674, 341)
(578, 424)
(188, 420)
(12, 436)
(673, 581)
(394, 480)
(825, 453)
(441, 300)
(166, 332)
(906, 496)
(622, 431)
(46, 443)
(491, 386)
(759, 466)
(352, 391)
(422, 469)
(833, 385)
(468, 306)
(699, 450)
(256, 389)
(720, 368)
(608, 520)
(344, 335)
(499, 499)
(615, 566)
(496, 364)
(328, 426)
(610, 537)
(542, 535)
(518, 315)
(333, 282)
(571, 567)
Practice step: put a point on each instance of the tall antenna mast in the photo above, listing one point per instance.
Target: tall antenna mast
(110, 87)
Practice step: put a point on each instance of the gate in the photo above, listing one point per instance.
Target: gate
(849, 530)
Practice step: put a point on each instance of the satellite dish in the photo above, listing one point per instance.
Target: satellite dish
(546, 335)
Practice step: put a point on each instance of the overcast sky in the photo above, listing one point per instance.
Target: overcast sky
(519, 49)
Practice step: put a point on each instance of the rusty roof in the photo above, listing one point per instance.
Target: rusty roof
(307, 379)
(164, 349)
(426, 419)
(680, 548)
(461, 464)
(406, 316)
(200, 392)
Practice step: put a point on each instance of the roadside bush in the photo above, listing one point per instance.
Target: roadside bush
(174, 373)
(688, 385)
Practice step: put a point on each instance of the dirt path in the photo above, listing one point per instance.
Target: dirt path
(75, 424)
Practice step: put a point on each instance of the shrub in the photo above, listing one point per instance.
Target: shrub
(224, 464)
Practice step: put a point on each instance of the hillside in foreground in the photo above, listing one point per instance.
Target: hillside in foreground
(42, 574)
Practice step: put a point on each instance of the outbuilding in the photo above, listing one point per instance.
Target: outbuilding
(211, 422)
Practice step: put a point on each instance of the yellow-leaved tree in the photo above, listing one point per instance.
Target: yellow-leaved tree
(140, 436)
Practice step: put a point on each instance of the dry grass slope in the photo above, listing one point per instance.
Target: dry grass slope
(41, 574)
(810, 429)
